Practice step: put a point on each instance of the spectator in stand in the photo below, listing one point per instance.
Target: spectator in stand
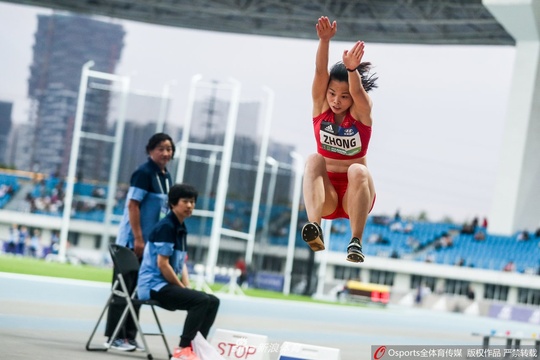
(485, 223)
(397, 216)
(408, 228)
(55, 242)
(480, 235)
(413, 242)
(6, 190)
(474, 223)
(23, 238)
(378, 239)
(34, 248)
(99, 192)
(523, 236)
(396, 227)
(509, 267)
(445, 241)
(467, 229)
(13, 239)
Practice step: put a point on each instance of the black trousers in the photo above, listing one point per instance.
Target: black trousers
(117, 306)
(201, 309)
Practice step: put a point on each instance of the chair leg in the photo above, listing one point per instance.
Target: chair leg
(143, 338)
(161, 332)
(123, 292)
(88, 347)
(131, 309)
(121, 322)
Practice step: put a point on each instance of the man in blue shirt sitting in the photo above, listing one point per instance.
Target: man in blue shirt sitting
(163, 274)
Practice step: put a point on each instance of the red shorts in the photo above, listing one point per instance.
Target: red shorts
(340, 183)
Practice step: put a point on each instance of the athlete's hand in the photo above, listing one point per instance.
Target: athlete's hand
(325, 29)
(352, 58)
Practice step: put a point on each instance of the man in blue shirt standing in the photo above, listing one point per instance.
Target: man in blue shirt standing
(163, 275)
(146, 204)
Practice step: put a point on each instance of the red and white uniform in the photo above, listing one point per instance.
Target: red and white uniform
(350, 140)
(341, 142)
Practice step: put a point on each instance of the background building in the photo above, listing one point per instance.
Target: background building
(5, 128)
(63, 44)
(18, 152)
(209, 126)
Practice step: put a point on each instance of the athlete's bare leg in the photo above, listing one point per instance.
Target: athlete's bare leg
(357, 202)
(320, 199)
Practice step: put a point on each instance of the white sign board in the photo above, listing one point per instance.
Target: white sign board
(296, 351)
(235, 345)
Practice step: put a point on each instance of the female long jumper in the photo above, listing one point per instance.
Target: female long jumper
(337, 182)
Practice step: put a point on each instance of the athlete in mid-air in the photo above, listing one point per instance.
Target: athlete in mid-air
(337, 182)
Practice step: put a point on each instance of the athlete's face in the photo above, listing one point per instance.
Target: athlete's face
(162, 153)
(338, 96)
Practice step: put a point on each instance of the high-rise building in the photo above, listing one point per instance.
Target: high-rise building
(210, 119)
(211, 116)
(5, 128)
(19, 152)
(63, 44)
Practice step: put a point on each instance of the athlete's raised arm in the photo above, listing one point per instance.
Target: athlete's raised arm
(362, 104)
(325, 32)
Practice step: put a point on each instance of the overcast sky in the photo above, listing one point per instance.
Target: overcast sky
(439, 111)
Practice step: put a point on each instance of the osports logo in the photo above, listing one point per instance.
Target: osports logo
(379, 353)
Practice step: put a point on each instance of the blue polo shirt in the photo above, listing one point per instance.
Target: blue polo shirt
(149, 186)
(168, 238)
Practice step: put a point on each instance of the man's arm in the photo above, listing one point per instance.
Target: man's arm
(185, 276)
(134, 212)
(168, 272)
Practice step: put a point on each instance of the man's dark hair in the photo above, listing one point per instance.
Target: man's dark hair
(181, 191)
(157, 139)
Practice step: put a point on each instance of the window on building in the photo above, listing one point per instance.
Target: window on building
(300, 267)
(228, 258)
(97, 242)
(381, 277)
(457, 287)
(495, 292)
(73, 238)
(529, 296)
(428, 281)
(346, 273)
(272, 263)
